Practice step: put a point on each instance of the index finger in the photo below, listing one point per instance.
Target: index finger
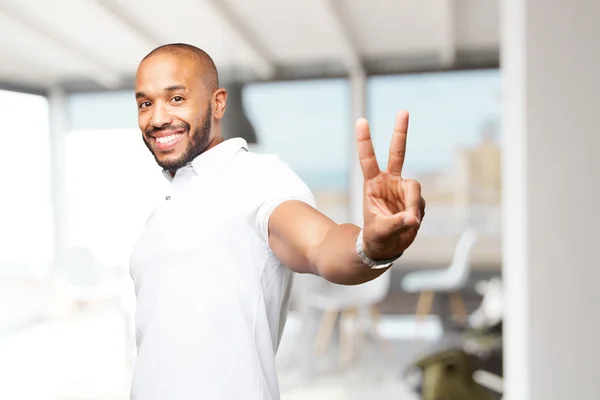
(366, 153)
(398, 146)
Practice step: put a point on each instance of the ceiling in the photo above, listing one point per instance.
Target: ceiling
(97, 44)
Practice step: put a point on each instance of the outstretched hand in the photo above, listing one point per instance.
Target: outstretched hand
(393, 207)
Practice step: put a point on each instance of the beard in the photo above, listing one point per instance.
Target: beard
(196, 144)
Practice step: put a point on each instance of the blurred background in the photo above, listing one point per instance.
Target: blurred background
(78, 183)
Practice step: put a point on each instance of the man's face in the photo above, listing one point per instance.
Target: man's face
(174, 110)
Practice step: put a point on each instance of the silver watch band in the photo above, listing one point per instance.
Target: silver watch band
(373, 264)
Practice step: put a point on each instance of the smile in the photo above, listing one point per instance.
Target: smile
(169, 139)
(168, 142)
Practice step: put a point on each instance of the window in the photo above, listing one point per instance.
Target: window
(25, 205)
(453, 145)
(453, 150)
(113, 184)
(308, 125)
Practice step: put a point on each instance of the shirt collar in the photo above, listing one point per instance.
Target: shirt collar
(214, 156)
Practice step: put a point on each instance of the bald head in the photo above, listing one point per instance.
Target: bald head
(180, 104)
(203, 61)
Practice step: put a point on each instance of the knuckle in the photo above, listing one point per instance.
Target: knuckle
(414, 185)
(399, 153)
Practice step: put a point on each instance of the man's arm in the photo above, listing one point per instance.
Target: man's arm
(306, 241)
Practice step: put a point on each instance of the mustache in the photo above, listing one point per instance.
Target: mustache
(153, 130)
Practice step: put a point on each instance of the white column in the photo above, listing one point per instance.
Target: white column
(59, 125)
(551, 198)
(358, 87)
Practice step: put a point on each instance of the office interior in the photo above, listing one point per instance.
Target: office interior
(502, 98)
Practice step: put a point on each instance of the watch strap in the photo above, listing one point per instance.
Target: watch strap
(373, 264)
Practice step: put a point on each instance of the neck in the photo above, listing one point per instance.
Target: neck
(215, 141)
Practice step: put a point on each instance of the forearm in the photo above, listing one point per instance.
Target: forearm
(336, 259)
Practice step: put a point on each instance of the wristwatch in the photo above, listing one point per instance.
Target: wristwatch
(373, 264)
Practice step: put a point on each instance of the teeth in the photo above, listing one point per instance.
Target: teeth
(168, 139)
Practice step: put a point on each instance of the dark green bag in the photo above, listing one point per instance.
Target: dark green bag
(448, 375)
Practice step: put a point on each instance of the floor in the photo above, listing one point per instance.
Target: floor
(376, 371)
(83, 358)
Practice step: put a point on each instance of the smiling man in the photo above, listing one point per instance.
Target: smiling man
(213, 267)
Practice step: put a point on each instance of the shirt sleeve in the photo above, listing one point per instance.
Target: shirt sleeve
(280, 184)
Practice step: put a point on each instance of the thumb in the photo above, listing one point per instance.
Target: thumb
(403, 220)
(412, 196)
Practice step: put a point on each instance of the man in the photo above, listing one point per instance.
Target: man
(213, 267)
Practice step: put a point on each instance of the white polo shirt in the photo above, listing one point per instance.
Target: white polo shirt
(211, 297)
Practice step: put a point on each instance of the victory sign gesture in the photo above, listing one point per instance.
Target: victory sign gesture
(392, 207)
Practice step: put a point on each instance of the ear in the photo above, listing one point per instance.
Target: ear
(219, 103)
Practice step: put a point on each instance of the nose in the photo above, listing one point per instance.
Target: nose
(160, 117)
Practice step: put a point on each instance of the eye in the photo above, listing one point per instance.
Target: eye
(144, 104)
(177, 99)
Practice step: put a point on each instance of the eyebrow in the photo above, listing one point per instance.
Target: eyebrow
(171, 88)
(174, 88)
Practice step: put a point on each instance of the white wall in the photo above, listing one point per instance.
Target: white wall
(551, 58)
